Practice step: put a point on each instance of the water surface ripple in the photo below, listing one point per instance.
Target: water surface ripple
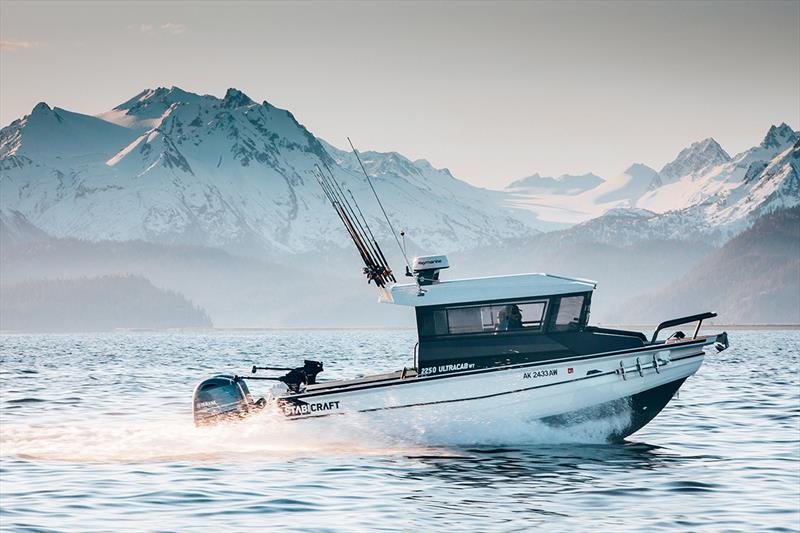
(96, 435)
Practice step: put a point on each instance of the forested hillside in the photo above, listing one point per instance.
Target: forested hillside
(95, 304)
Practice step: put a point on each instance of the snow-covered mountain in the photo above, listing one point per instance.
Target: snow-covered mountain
(765, 187)
(145, 110)
(625, 189)
(570, 208)
(175, 167)
(170, 166)
(15, 229)
(753, 279)
(57, 136)
(564, 184)
(727, 195)
(696, 174)
(693, 161)
(703, 191)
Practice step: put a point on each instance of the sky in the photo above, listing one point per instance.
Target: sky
(493, 91)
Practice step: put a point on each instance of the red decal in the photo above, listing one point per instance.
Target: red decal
(570, 370)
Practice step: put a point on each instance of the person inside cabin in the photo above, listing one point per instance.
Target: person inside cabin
(501, 324)
(515, 318)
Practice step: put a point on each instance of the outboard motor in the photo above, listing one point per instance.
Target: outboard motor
(226, 397)
(223, 397)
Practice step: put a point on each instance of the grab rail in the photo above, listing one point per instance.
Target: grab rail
(626, 333)
(683, 320)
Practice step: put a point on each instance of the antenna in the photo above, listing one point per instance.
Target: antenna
(408, 270)
(394, 233)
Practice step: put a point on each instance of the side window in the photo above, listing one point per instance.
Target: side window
(432, 322)
(528, 316)
(516, 316)
(533, 314)
(465, 320)
(568, 317)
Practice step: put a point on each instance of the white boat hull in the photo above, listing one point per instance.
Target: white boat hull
(557, 392)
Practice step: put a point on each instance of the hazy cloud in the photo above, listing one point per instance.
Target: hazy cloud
(18, 45)
(168, 27)
(173, 28)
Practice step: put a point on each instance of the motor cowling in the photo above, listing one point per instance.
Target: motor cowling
(222, 397)
(426, 268)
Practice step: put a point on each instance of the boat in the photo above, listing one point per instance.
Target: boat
(500, 348)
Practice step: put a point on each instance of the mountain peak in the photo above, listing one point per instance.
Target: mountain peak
(778, 136)
(709, 145)
(145, 110)
(43, 114)
(161, 96)
(640, 171)
(50, 133)
(533, 181)
(692, 160)
(564, 184)
(637, 168)
(41, 107)
(589, 176)
(236, 98)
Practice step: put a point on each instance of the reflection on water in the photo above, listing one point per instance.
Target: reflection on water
(96, 434)
(569, 463)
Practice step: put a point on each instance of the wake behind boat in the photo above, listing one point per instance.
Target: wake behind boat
(502, 348)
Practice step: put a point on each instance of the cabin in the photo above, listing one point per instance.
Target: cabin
(495, 321)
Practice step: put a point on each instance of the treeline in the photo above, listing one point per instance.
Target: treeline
(95, 304)
(752, 279)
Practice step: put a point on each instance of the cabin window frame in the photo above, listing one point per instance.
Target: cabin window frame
(571, 325)
(527, 330)
(552, 303)
(584, 316)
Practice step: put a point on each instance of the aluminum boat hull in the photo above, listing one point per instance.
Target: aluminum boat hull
(627, 388)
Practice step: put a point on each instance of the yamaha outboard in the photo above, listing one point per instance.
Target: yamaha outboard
(223, 397)
(226, 397)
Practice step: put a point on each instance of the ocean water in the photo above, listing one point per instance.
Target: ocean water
(96, 435)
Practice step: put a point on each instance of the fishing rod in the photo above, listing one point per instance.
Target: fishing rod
(357, 237)
(342, 216)
(351, 214)
(383, 257)
(376, 267)
(376, 249)
(364, 170)
(379, 270)
(375, 270)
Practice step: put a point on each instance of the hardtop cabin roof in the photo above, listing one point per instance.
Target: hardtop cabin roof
(485, 289)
